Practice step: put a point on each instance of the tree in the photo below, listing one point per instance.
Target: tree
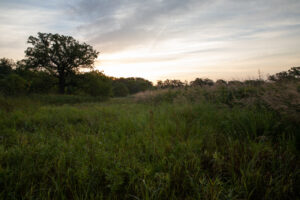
(59, 55)
(13, 84)
(170, 84)
(202, 82)
(221, 82)
(95, 83)
(134, 85)
(6, 66)
(291, 74)
(120, 89)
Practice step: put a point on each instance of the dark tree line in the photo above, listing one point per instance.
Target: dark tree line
(52, 65)
(292, 74)
(125, 86)
(18, 79)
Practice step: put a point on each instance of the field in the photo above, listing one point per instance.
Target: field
(220, 142)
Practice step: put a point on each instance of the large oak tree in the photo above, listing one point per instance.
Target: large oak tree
(60, 55)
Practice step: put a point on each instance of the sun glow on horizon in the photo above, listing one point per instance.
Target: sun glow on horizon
(163, 39)
(214, 60)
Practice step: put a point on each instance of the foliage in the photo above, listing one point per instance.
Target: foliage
(235, 83)
(227, 141)
(120, 89)
(169, 84)
(95, 83)
(254, 82)
(121, 149)
(221, 82)
(40, 82)
(13, 84)
(283, 98)
(202, 82)
(59, 55)
(291, 74)
(134, 85)
(6, 66)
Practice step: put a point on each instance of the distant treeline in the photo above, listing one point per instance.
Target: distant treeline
(52, 65)
(17, 79)
(290, 75)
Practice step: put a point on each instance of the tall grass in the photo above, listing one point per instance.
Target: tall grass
(174, 144)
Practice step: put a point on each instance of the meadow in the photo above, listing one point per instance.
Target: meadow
(219, 142)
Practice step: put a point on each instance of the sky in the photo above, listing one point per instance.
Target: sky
(165, 39)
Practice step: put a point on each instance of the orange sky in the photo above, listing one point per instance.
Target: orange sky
(160, 39)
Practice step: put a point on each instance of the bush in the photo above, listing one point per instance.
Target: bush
(169, 84)
(120, 90)
(221, 82)
(40, 82)
(134, 85)
(291, 74)
(95, 83)
(13, 84)
(6, 67)
(202, 82)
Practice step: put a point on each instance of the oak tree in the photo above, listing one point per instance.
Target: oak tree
(60, 55)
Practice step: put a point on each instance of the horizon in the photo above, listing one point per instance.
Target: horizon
(160, 39)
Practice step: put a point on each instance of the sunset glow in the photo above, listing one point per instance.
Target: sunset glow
(166, 39)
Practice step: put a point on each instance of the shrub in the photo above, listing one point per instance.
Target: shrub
(221, 82)
(134, 85)
(120, 90)
(13, 84)
(202, 82)
(169, 84)
(95, 83)
(291, 74)
(40, 82)
(6, 66)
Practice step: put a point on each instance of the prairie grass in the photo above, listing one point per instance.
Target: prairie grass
(224, 142)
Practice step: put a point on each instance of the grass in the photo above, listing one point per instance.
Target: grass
(174, 144)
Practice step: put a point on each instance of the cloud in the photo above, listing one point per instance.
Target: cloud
(20, 19)
(173, 35)
(115, 26)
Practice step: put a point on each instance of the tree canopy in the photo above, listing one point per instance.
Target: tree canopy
(202, 82)
(6, 66)
(291, 74)
(59, 55)
(169, 84)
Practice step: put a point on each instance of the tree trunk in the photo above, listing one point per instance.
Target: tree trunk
(62, 84)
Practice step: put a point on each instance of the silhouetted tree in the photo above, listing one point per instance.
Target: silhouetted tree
(294, 72)
(254, 82)
(170, 84)
(95, 83)
(143, 84)
(202, 82)
(120, 90)
(39, 81)
(221, 82)
(235, 83)
(6, 66)
(60, 55)
(13, 84)
(159, 84)
(134, 85)
(291, 74)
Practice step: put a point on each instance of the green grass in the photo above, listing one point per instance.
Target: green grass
(155, 149)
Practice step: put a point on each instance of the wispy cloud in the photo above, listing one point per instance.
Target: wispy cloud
(176, 36)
